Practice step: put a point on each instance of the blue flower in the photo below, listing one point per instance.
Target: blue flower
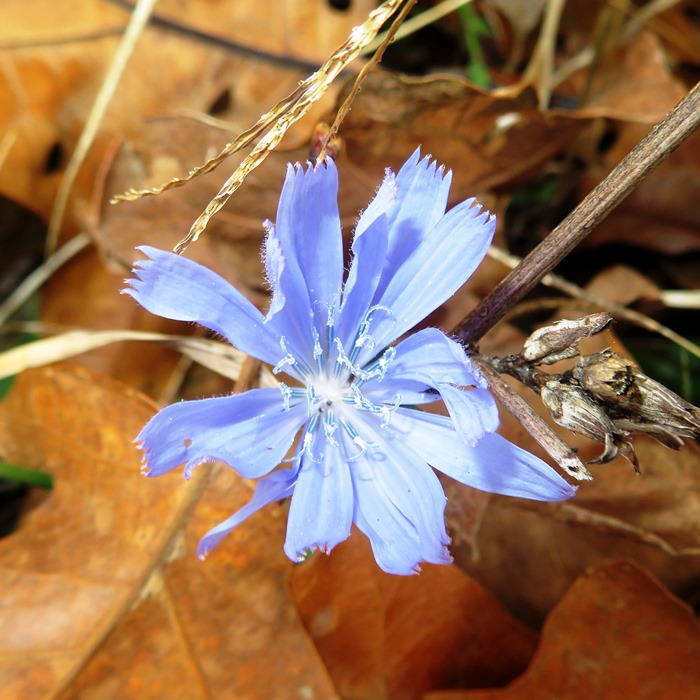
(364, 453)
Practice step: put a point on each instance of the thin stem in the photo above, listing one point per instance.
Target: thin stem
(663, 139)
(555, 447)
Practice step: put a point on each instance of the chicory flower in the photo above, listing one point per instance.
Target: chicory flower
(364, 452)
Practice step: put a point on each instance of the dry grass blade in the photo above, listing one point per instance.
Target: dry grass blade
(638, 19)
(617, 310)
(219, 357)
(33, 281)
(271, 127)
(411, 26)
(540, 70)
(138, 22)
(347, 104)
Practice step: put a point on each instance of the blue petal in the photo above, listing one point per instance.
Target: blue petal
(422, 189)
(250, 432)
(320, 515)
(494, 464)
(473, 412)
(399, 505)
(289, 316)
(433, 273)
(427, 358)
(174, 287)
(369, 248)
(308, 226)
(436, 359)
(274, 487)
(404, 211)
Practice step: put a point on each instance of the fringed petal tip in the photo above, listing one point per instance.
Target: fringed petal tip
(428, 163)
(309, 167)
(411, 565)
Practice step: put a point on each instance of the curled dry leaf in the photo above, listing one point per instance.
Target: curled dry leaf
(616, 633)
(488, 139)
(633, 82)
(384, 636)
(102, 592)
(652, 519)
(661, 213)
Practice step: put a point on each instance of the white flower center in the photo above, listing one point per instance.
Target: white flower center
(328, 392)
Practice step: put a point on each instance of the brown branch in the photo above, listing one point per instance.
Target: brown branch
(555, 447)
(663, 139)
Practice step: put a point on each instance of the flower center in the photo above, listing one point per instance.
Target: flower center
(327, 392)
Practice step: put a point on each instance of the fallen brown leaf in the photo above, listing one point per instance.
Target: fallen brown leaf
(384, 636)
(528, 553)
(616, 633)
(102, 593)
(488, 139)
(661, 213)
(84, 294)
(54, 63)
(633, 82)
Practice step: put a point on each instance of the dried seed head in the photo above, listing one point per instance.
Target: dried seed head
(575, 409)
(634, 402)
(560, 341)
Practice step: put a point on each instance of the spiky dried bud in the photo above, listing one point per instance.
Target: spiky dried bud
(634, 402)
(575, 409)
(560, 341)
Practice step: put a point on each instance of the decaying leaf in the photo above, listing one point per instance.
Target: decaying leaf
(488, 139)
(384, 636)
(616, 633)
(102, 592)
(233, 245)
(53, 62)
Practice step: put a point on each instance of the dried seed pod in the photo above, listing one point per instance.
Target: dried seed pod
(560, 341)
(574, 409)
(634, 402)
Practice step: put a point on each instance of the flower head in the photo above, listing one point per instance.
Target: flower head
(364, 451)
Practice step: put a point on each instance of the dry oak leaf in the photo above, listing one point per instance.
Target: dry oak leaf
(53, 63)
(633, 82)
(85, 294)
(661, 214)
(384, 636)
(617, 633)
(102, 595)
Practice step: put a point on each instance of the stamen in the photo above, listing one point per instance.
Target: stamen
(306, 443)
(364, 445)
(318, 350)
(330, 425)
(289, 361)
(376, 370)
(387, 411)
(286, 394)
(382, 409)
(363, 337)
